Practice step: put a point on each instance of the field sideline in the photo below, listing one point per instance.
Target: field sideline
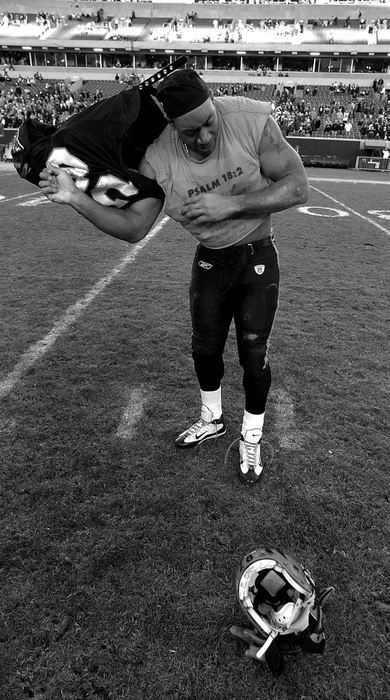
(118, 552)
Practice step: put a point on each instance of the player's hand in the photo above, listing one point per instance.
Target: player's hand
(57, 185)
(206, 208)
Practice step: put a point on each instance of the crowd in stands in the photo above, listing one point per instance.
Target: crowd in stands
(52, 103)
(45, 21)
(186, 28)
(348, 108)
(336, 110)
(42, 19)
(271, 30)
(342, 110)
(48, 101)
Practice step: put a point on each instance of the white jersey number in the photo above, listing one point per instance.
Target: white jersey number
(78, 170)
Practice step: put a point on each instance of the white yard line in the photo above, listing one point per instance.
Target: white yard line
(72, 314)
(132, 414)
(350, 181)
(356, 213)
(21, 196)
(34, 202)
(290, 438)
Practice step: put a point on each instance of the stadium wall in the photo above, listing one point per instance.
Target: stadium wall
(334, 152)
(211, 76)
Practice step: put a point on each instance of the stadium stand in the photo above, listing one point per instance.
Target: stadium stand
(304, 110)
(56, 58)
(191, 28)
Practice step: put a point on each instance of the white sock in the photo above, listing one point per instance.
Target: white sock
(252, 421)
(213, 401)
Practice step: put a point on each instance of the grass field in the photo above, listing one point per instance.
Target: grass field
(119, 552)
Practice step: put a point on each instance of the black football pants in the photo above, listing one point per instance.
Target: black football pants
(240, 283)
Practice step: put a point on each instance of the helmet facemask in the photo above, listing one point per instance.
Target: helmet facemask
(278, 601)
(278, 596)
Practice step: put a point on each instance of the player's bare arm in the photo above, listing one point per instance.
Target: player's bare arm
(288, 186)
(284, 168)
(129, 224)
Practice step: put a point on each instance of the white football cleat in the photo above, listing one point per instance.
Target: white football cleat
(250, 466)
(205, 428)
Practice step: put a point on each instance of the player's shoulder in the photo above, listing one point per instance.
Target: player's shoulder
(227, 105)
(163, 140)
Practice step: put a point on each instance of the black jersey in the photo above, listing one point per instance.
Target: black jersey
(101, 148)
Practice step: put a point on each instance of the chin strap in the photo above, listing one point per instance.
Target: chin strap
(258, 646)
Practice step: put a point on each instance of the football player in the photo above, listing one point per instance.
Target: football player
(224, 168)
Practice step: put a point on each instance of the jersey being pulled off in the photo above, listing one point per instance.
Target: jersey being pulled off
(233, 168)
(99, 147)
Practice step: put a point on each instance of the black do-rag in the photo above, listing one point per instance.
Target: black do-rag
(181, 92)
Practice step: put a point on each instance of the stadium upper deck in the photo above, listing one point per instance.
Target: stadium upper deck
(339, 37)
